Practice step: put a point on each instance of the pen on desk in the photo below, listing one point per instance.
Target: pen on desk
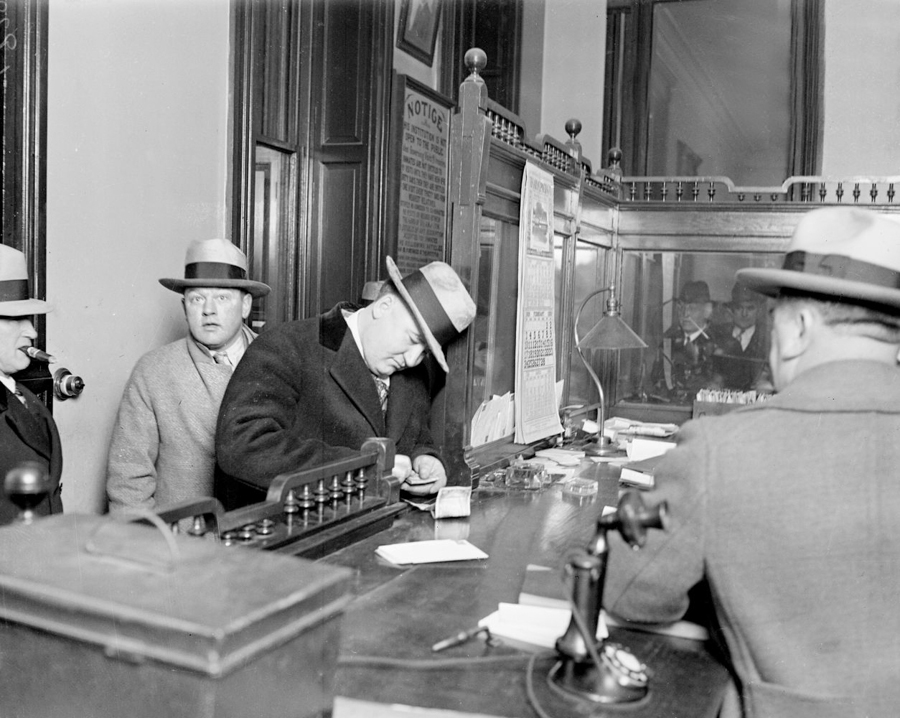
(459, 638)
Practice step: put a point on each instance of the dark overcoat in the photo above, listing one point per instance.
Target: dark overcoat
(28, 433)
(303, 396)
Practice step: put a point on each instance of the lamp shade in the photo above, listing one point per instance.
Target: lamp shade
(611, 332)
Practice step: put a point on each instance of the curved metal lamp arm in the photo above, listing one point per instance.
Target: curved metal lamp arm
(601, 409)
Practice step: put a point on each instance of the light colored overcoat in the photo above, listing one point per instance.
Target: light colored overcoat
(790, 510)
(163, 442)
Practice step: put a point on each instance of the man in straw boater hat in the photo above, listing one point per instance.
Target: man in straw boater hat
(27, 430)
(163, 442)
(789, 508)
(312, 391)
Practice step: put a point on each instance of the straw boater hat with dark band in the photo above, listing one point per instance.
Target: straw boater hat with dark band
(15, 288)
(215, 263)
(840, 253)
(438, 301)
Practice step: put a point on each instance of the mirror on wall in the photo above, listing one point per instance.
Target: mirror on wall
(702, 329)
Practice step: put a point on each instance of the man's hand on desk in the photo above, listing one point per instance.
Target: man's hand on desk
(426, 475)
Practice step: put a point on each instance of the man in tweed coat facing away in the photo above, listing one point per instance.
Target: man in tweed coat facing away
(163, 442)
(790, 508)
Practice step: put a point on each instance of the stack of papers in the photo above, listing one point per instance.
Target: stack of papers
(493, 420)
(531, 628)
(436, 551)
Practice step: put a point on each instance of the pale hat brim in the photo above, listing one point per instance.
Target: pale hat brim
(772, 281)
(24, 308)
(255, 289)
(434, 346)
(845, 254)
(444, 299)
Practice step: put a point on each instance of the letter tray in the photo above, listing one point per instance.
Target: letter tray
(100, 617)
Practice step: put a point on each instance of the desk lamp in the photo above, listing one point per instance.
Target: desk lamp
(611, 332)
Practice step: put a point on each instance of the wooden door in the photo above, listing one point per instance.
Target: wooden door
(311, 86)
(23, 170)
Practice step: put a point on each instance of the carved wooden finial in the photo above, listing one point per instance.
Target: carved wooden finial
(614, 161)
(476, 60)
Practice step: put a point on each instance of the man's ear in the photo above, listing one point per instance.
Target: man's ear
(246, 304)
(382, 306)
(799, 325)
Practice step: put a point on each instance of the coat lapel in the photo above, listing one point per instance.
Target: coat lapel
(352, 375)
(401, 400)
(24, 421)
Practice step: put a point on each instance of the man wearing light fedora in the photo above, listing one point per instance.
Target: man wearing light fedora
(27, 430)
(312, 391)
(163, 442)
(790, 508)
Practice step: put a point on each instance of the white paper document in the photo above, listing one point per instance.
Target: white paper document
(531, 627)
(435, 551)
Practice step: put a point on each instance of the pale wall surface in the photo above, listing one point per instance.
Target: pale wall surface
(137, 168)
(862, 104)
(574, 61)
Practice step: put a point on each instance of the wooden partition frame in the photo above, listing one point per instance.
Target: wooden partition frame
(489, 150)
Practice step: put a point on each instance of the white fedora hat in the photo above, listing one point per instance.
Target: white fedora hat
(15, 288)
(438, 301)
(215, 263)
(843, 253)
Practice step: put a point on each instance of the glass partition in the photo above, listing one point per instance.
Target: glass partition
(494, 328)
(701, 328)
(590, 275)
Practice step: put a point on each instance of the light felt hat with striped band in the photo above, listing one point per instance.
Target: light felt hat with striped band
(438, 301)
(844, 253)
(215, 263)
(15, 288)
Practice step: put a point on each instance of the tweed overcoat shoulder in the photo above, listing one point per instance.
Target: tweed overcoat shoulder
(790, 510)
(163, 443)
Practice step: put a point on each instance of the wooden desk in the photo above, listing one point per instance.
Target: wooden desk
(400, 612)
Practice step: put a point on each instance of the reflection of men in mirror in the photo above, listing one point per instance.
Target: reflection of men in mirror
(788, 508)
(743, 351)
(684, 362)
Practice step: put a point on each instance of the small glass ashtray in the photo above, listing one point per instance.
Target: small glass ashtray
(580, 487)
(526, 475)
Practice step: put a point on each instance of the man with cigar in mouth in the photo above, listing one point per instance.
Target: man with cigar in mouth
(27, 430)
(163, 442)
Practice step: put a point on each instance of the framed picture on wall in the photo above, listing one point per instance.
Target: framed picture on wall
(417, 33)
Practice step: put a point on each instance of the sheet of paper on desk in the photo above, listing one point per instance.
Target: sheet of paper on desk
(356, 708)
(641, 448)
(436, 551)
(531, 628)
(563, 457)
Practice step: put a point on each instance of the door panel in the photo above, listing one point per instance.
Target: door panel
(312, 83)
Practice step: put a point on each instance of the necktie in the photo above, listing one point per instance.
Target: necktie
(19, 395)
(382, 387)
(221, 358)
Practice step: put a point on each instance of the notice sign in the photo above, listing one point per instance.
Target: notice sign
(424, 167)
(537, 414)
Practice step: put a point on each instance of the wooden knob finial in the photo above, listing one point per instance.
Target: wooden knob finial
(476, 60)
